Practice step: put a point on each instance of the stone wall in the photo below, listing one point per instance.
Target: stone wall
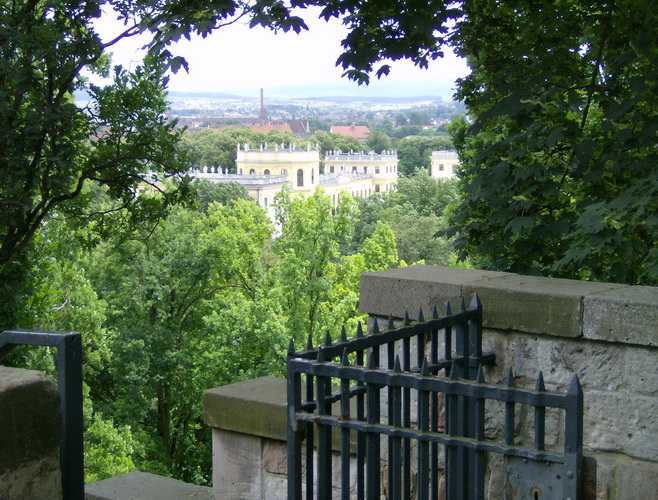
(607, 334)
(30, 433)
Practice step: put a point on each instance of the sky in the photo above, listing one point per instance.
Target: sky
(236, 58)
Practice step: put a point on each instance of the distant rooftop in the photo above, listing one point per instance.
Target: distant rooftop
(359, 132)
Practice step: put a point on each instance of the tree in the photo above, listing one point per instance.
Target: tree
(160, 293)
(422, 195)
(559, 169)
(378, 141)
(220, 192)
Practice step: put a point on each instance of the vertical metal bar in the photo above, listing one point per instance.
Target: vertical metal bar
(540, 417)
(345, 435)
(324, 438)
(69, 380)
(406, 420)
(462, 407)
(373, 464)
(509, 414)
(423, 445)
(395, 458)
(294, 390)
(391, 410)
(453, 473)
(477, 487)
(434, 414)
(573, 439)
(360, 436)
(310, 445)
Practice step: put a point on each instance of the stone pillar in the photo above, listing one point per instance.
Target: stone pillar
(30, 433)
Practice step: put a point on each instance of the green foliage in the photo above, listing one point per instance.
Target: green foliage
(423, 195)
(559, 165)
(414, 152)
(223, 193)
(378, 141)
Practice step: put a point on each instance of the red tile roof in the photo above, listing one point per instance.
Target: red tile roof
(360, 132)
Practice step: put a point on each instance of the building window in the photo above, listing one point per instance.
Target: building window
(265, 201)
(284, 171)
(300, 177)
(267, 171)
(353, 169)
(376, 170)
(252, 172)
(331, 169)
(440, 167)
(376, 188)
(312, 176)
(365, 170)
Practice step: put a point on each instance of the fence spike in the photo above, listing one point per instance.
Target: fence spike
(291, 347)
(309, 343)
(345, 359)
(475, 302)
(448, 309)
(375, 326)
(391, 323)
(359, 330)
(540, 382)
(327, 338)
(510, 378)
(397, 367)
(343, 334)
(480, 377)
(575, 387)
(372, 364)
(407, 321)
(320, 357)
(462, 305)
(424, 369)
(435, 312)
(420, 315)
(453, 370)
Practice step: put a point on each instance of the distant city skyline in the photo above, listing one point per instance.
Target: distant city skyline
(238, 59)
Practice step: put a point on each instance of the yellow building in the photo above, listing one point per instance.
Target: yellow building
(264, 170)
(444, 164)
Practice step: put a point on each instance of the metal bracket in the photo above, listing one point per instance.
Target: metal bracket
(527, 479)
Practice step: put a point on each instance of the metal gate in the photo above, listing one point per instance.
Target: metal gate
(351, 408)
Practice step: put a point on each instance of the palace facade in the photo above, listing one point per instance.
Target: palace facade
(264, 170)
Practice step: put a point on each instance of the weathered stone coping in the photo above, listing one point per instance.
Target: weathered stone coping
(145, 486)
(30, 433)
(531, 304)
(256, 407)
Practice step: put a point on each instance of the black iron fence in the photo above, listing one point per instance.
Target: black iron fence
(350, 400)
(69, 382)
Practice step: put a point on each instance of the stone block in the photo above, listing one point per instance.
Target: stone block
(533, 304)
(640, 369)
(275, 488)
(145, 486)
(30, 434)
(256, 407)
(275, 456)
(30, 417)
(628, 315)
(395, 291)
(621, 422)
(598, 366)
(237, 466)
(636, 480)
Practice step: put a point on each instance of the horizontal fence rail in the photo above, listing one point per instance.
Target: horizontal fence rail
(69, 383)
(341, 400)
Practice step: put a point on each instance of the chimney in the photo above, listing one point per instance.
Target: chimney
(263, 116)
